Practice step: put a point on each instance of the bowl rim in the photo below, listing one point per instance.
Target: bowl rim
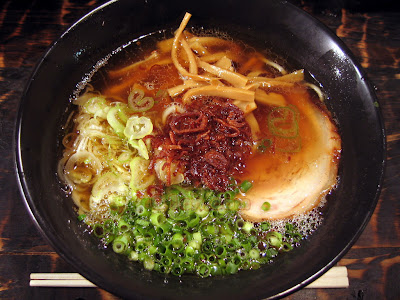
(54, 240)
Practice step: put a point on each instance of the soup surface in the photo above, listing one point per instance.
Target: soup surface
(201, 157)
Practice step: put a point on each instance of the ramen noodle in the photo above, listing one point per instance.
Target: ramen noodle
(202, 157)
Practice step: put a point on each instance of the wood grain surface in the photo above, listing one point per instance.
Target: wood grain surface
(371, 30)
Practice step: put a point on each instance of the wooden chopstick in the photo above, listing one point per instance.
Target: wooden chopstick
(61, 283)
(56, 276)
(336, 277)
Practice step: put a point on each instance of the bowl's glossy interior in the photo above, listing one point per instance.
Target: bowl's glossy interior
(274, 25)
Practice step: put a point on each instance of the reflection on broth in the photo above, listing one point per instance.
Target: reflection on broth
(202, 157)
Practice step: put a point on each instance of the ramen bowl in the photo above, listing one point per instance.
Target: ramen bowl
(276, 26)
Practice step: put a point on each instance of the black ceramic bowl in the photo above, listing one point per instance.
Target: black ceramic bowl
(273, 25)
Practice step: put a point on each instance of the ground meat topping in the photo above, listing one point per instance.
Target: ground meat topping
(210, 142)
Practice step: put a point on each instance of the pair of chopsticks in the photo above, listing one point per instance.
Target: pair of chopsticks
(336, 277)
(59, 280)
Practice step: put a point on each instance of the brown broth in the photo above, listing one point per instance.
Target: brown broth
(156, 73)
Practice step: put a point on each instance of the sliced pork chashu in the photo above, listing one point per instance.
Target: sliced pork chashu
(293, 183)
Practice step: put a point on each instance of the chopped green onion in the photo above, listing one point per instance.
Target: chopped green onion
(115, 122)
(120, 244)
(221, 251)
(245, 186)
(165, 227)
(274, 239)
(211, 257)
(247, 226)
(109, 226)
(264, 145)
(157, 219)
(189, 251)
(138, 127)
(195, 244)
(246, 245)
(177, 270)
(123, 226)
(134, 256)
(266, 206)
(254, 253)
(138, 103)
(140, 146)
(152, 250)
(177, 236)
(148, 263)
(176, 245)
(234, 205)
(239, 223)
(142, 211)
(98, 230)
(265, 226)
(207, 247)
(221, 209)
(142, 222)
(286, 247)
(188, 265)
(231, 268)
(197, 237)
(202, 211)
(166, 261)
(194, 220)
(236, 260)
(203, 270)
(230, 195)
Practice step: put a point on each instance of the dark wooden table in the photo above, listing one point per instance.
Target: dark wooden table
(370, 30)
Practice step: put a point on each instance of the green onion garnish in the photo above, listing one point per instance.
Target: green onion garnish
(192, 230)
(245, 186)
(266, 206)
